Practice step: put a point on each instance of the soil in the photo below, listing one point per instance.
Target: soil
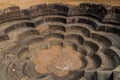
(28, 3)
(58, 60)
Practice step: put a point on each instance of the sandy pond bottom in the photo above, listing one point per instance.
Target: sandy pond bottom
(58, 60)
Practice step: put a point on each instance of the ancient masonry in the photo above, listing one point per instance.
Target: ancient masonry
(93, 30)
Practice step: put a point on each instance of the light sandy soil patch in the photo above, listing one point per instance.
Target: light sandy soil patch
(28, 3)
(58, 60)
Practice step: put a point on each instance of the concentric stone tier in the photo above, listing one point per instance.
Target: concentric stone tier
(60, 42)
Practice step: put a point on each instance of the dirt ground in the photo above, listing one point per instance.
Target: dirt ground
(28, 3)
(58, 60)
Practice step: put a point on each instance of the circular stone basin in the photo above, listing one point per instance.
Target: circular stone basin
(58, 60)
